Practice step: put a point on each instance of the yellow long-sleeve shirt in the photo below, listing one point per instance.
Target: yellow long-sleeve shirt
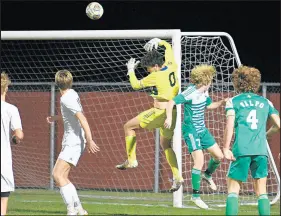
(165, 81)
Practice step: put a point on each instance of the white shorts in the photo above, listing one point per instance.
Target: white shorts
(7, 181)
(71, 154)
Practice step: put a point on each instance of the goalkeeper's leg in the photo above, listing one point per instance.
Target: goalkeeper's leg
(172, 161)
(130, 138)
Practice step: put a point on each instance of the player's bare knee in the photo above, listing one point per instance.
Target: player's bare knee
(57, 176)
(198, 164)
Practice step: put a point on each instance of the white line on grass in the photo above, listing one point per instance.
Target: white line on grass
(101, 203)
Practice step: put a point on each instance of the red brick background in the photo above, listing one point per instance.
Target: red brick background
(106, 112)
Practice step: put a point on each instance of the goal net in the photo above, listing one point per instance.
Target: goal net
(97, 61)
(218, 49)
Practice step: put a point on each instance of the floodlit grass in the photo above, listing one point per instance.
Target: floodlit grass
(43, 202)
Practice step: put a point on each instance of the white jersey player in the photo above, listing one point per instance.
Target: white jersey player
(76, 133)
(10, 122)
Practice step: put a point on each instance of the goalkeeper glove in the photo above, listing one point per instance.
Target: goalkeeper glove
(153, 43)
(132, 65)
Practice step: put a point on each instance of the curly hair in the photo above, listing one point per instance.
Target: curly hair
(202, 74)
(246, 79)
(5, 82)
(152, 58)
(64, 79)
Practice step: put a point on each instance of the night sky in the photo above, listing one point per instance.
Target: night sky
(254, 25)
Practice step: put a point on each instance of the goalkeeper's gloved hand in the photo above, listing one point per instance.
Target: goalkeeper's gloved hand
(132, 65)
(153, 43)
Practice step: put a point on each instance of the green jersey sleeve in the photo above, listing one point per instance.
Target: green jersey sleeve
(208, 101)
(272, 109)
(185, 96)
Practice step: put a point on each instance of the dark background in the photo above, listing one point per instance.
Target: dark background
(254, 25)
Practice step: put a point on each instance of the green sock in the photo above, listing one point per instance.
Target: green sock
(196, 179)
(263, 205)
(212, 166)
(232, 204)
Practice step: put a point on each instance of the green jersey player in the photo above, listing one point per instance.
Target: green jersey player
(247, 114)
(197, 137)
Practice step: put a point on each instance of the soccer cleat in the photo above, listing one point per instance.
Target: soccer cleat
(71, 211)
(176, 185)
(210, 181)
(126, 165)
(197, 201)
(82, 212)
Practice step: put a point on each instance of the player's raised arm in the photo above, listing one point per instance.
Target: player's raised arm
(228, 130)
(169, 54)
(148, 81)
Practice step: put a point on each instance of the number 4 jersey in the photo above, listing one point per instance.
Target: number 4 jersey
(251, 113)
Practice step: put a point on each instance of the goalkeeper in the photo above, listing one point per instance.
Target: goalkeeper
(197, 137)
(163, 78)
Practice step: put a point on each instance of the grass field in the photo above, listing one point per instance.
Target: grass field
(43, 202)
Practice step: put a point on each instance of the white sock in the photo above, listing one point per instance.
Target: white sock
(66, 193)
(76, 200)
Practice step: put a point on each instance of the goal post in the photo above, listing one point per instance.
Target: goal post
(34, 51)
(31, 58)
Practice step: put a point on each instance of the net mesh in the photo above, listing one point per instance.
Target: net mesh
(216, 51)
(99, 71)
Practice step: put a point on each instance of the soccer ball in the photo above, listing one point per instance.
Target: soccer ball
(94, 10)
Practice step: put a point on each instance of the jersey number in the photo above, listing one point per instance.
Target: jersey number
(172, 79)
(252, 118)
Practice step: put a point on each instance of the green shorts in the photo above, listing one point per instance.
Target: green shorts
(197, 141)
(238, 170)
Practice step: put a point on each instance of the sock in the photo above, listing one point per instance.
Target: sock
(172, 160)
(212, 166)
(131, 147)
(75, 198)
(263, 205)
(232, 204)
(66, 193)
(196, 180)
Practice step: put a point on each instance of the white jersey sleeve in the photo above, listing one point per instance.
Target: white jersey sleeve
(73, 103)
(15, 119)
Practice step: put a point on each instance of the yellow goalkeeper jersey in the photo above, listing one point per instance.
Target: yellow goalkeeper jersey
(164, 82)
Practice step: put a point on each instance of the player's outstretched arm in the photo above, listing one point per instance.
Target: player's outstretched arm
(169, 114)
(228, 133)
(148, 81)
(275, 128)
(51, 119)
(90, 144)
(217, 104)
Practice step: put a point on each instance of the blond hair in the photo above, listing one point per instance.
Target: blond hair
(202, 75)
(246, 79)
(5, 82)
(64, 79)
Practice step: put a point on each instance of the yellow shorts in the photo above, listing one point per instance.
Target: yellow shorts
(155, 118)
